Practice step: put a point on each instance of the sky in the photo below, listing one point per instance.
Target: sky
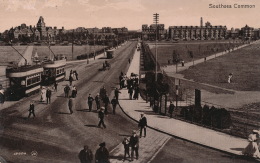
(126, 13)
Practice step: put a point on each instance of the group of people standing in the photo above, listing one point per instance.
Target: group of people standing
(45, 95)
(101, 155)
(131, 83)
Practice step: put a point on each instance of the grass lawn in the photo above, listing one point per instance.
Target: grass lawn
(200, 49)
(243, 63)
(8, 54)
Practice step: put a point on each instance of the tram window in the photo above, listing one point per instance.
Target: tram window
(33, 80)
(29, 81)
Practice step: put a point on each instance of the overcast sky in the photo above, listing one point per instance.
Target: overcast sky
(125, 13)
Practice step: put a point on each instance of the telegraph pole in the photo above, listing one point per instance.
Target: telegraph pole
(156, 21)
(94, 45)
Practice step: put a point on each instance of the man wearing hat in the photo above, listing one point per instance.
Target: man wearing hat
(134, 144)
(101, 116)
(85, 155)
(102, 154)
(31, 110)
(90, 101)
(48, 95)
(142, 124)
(97, 99)
(114, 103)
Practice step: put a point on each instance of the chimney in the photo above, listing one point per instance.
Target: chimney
(201, 21)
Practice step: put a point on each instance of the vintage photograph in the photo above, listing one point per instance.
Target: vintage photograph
(118, 81)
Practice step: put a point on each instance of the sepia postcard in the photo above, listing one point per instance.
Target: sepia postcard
(143, 81)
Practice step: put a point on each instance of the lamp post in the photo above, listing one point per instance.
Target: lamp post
(156, 21)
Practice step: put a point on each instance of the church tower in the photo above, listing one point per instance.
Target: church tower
(42, 28)
(201, 21)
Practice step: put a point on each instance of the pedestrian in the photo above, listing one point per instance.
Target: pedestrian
(120, 81)
(117, 93)
(74, 91)
(31, 110)
(102, 154)
(48, 95)
(101, 116)
(130, 92)
(70, 79)
(55, 86)
(85, 155)
(252, 148)
(106, 101)
(182, 63)
(171, 108)
(66, 90)
(43, 94)
(136, 80)
(126, 144)
(76, 75)
(134, 144)
(142, 124)
(71, 104)
(97, 100)
(129, 60)
(102, 92)
(90, 102)
(114, 103)
(229, 77)
(136, 93)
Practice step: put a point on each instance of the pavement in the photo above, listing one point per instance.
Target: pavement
(170, 126)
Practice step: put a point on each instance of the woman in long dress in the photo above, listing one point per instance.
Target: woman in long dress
(43, 94)
(252, 148)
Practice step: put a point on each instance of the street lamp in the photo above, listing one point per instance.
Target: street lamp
(156, 21)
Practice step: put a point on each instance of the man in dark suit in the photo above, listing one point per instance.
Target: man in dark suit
(101, 117)
(134, 144)
(117, 93)
(142, 124)
(97, 99)
(31, 110)
(85, 155)
(114, 103)
(106, 101)
(171, 108)
(90, 102)
(102, 154)
(48, 95)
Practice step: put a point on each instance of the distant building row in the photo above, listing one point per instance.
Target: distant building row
(206, 32)
(42, 32)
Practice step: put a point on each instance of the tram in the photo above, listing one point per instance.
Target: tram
(110, 54)
(24, 81)
(27, 78)
(54, 71)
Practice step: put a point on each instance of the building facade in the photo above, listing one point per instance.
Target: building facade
(149, 32)
(247, 32)
(26, 33)
(207, 32)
